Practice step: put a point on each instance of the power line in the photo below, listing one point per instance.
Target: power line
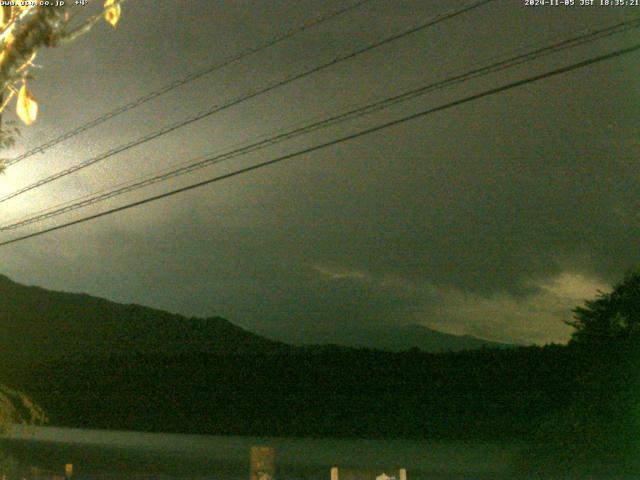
(352, 136)
(218, 108)
(185, 80)
(563, 44)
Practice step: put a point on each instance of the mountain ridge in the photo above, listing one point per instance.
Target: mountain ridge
(36, 321)
(39, 322)
(385, 337)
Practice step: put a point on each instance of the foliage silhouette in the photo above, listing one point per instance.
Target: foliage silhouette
(612, 319)
(597, 434)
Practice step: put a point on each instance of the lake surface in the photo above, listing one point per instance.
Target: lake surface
(115, 454)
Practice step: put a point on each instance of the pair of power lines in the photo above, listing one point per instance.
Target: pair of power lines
(230, 103)
(501, 64)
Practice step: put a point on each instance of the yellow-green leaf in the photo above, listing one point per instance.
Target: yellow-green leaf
(27, 107)
(112, 12)
(5, 15)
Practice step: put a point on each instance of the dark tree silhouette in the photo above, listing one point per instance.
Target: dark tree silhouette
(612, 319)
(596, 434)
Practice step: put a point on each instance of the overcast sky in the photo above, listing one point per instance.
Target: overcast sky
(494, 218)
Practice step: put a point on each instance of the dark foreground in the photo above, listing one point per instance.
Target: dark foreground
(99, 454)
(579, 406)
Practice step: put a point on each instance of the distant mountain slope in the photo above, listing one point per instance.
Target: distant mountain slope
(39, 322)
(36, 322)
(385, 338)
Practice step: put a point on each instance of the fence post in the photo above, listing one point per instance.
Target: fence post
(263, 463)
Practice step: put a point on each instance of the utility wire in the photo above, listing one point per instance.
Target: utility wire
(361, 133)
(581, 36)
(589, 36)
(185, 80)
(240, 99)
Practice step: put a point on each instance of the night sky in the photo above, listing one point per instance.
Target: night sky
(494, 218)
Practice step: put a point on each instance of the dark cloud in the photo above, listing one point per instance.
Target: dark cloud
(493, 218)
